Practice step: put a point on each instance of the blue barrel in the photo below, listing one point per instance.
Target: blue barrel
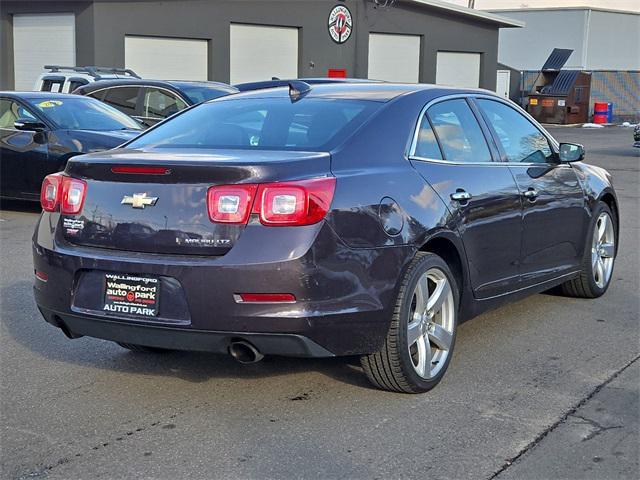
(609, 112)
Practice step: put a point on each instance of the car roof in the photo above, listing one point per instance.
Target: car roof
(381, 92)
(201, 83)
(175, 84)
(39, 95)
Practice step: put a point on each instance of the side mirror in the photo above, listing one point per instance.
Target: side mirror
(29, 124)
(571, 152)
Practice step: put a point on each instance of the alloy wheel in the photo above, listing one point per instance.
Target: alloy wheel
(603, 250)
(431, 323)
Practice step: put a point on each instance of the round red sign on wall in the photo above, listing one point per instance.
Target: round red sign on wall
(340, 24)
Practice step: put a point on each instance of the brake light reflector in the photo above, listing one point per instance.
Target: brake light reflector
(302, 202)
(50, 192)
(43, 277)
(230, 203)
(265, 298)
(73, 193)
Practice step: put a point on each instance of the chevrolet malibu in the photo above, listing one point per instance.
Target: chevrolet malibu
(325, 220)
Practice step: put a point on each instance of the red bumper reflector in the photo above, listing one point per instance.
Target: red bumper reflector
(43, 277)
(265, 298)
(141, 170)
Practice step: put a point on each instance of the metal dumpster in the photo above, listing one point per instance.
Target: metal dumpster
(560, 96)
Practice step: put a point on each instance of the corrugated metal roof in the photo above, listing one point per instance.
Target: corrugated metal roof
(557, 59)
(562, 84)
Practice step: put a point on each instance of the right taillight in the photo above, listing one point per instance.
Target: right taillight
(62, 193)
(50, 192)
(302, 202)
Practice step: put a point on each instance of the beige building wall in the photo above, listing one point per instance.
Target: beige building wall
(631, 5)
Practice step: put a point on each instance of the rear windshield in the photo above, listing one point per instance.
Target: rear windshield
(261, 124)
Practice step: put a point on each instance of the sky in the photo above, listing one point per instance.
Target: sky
(632, 5)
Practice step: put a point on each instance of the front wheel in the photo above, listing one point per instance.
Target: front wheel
(419, 344)
(598, 259)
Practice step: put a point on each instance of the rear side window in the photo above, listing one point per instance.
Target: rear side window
(426, 143)
(458, 132)
(161, 104)
(122, 98)
(262, 124)
(100, 94)
(76, 83)
(520, 139)
(52, 85)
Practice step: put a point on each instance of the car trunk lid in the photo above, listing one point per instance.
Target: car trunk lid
(165, 209)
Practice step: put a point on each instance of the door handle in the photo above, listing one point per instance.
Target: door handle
(461, 196)
(530, 194)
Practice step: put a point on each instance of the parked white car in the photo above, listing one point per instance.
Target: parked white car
(61, 79)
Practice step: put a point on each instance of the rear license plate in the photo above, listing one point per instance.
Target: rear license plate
(131, 295)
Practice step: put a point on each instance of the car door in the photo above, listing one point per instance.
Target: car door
(158, 104)
(21, 152)
(451, 152)
(554, 217)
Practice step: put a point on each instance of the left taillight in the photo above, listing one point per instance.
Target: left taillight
(50, 192)
(64, 193)
(230, 203)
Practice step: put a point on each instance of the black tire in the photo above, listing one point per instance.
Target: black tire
(392, 368)
(141, 348)
(584, 285)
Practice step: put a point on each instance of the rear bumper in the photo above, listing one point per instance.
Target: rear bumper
(290, 345)
(344, 296)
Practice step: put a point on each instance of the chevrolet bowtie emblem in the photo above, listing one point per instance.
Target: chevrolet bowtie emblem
(139, 200)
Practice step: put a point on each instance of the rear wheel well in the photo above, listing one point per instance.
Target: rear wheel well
(446, 250)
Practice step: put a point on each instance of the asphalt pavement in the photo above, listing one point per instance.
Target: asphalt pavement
(543, 388)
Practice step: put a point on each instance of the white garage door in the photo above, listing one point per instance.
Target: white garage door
(41, 39)
(166, 58)
(456, 69)
(395, 58)
(262, 52)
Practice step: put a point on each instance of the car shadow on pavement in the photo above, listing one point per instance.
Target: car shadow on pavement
(21, 320)
(20, 206)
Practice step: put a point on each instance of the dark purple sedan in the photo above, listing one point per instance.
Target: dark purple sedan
(316, 221)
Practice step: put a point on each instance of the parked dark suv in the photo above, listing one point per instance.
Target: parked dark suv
(151, 101)
(344, 219)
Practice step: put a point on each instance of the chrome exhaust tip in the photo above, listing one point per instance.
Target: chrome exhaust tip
(244, 352)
